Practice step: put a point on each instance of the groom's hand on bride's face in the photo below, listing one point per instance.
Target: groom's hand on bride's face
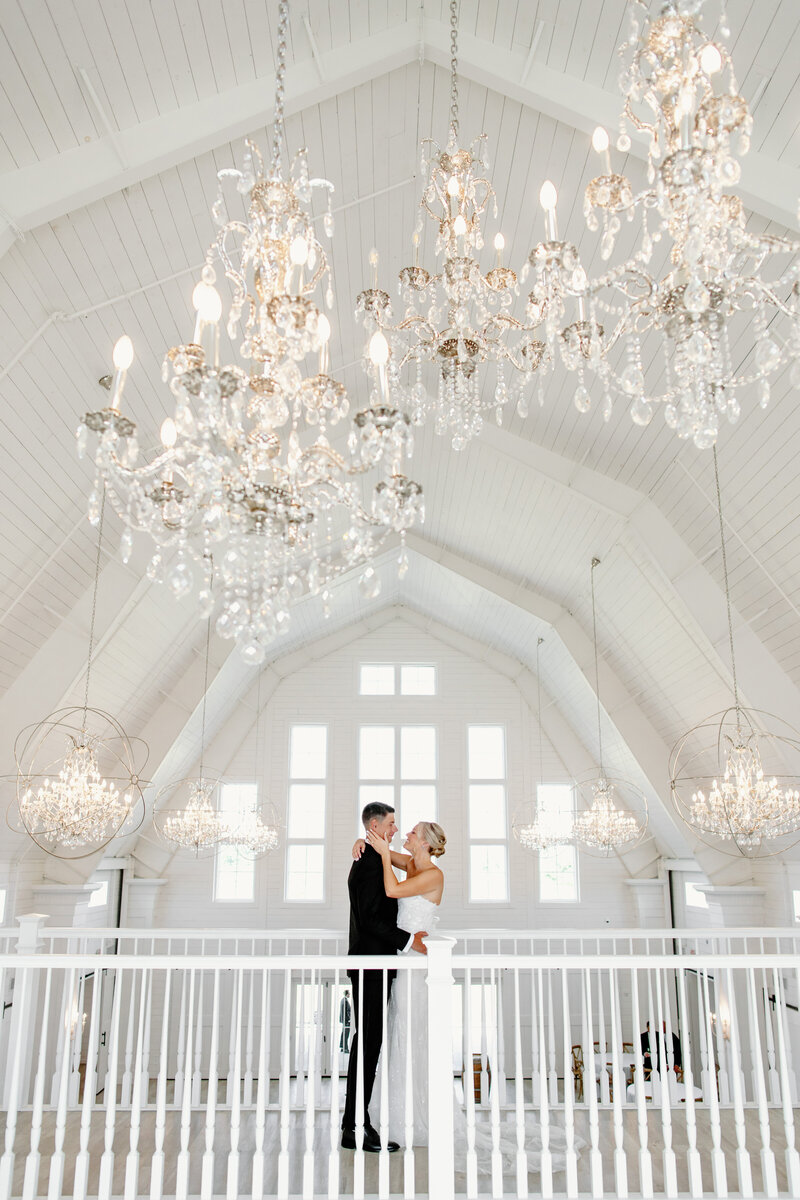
(418, 943)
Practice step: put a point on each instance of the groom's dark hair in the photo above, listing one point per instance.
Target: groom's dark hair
(375, 811)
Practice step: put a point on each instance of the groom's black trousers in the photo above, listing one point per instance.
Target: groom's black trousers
(368, 1023)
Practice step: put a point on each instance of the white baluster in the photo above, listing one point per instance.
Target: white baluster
(552, 1074)
(546, 1168)
(772, 1073)
(77, 1044)
(662, 1069)
(319, 1039)
(718, 1170)
(618, 1079)
(569, 1092)
(33, 1161)
(197, 1074)
(769, 1177)
(494, 1099)
(358, 1157)
(69, 1015)
(441, 1163)
(247, 1097)
(499, 1079)
(284, 1086)
(780, 999)
(743, 1166)
(232, 1035)
(334, 1130)
(207, 1171)
(146, 1046)
(236, 1098)
(469, 1086)
(132, 1161)
(183, 1160)
(106, 1185)
(180, 1059)
(536, 1074)
(157, 1162)
(89, 1084)
(383, 1123)
(590, 1087)
(62, 1037)
(693, 1163)
(519, 1096)
(792, 1156)
(645, 1158)
(602, 1044)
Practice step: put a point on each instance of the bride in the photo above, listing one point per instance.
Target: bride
(418, 899)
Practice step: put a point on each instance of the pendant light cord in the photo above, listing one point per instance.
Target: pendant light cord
(539, 715)
(280, 77)
(596, 563)
(454, 68)
(727, 585)
(94, 608)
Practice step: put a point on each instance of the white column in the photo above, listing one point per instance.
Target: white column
(441, 1158)
(650, 902)
(734, 907)
(141, 898)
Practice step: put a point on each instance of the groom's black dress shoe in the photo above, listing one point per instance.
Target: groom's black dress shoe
(372, 1141)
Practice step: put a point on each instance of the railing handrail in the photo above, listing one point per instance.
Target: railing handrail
(591, 934)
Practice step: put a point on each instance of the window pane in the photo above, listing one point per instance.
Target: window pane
(488, 873)
(418, 752)
(377, 679)
(556, 803)
(308, 752)
(376, 752)
(306, 810)
(487, 758)
(237, 799)
(234, 875)
(558, 873)
(417, 803)
(305, 873)
(487, 810)
(417, 680)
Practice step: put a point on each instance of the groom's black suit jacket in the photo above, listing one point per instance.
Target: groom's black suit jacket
(373, 914)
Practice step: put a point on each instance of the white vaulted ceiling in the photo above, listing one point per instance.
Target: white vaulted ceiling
(115, 119)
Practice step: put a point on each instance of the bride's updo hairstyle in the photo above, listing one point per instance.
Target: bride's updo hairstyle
(434, 835)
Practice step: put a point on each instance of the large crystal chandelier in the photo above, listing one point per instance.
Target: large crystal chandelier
(605, 826)
(74, 804)
(534, 829)
(249, 500)
(198, 825)
(724, 309)
(457, 319)
(718, 783)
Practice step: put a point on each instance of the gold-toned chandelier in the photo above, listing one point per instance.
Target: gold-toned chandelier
(534, 829)
(72, 805)
(717, 778)
(606, 826)
(250, 502)
(724, 311)
(459, 318)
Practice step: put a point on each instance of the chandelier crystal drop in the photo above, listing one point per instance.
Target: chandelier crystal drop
(718, 783)
(723, 308)
(458, 318)
(605, 827)
(249, 502)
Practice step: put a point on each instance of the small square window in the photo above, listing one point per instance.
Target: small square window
(377, 679)
(487, 810)
(418, 752)
(376, 752)
(305, 866)
(308, 752)
(488, 875)
(417, 680)
(487, 756)
(694, 897)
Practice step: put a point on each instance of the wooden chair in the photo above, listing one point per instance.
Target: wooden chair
(577, 1071)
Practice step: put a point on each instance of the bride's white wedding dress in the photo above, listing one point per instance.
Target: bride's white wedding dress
(407, 1016)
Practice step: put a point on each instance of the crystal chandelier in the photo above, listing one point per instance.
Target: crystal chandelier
(733, 805)
(604, 826)
(725, 308)
(249, 500)
(534, 829)
(73, 805)
(459, 318)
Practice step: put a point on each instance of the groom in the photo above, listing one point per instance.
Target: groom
(373, 930)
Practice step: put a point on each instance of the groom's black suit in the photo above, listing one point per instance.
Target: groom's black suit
(373, 930)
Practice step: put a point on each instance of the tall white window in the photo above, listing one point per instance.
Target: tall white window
(487, 813)
(558, 866)
(397, 765)
(306, 812)
(234, 871)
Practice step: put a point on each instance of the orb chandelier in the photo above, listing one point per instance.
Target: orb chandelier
(534, 829)
(72, 805)
(457, 319)
(605, 826)
(717, 778)
(724, 310)
(249, 501)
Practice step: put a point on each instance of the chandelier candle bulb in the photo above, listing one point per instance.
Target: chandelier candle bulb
(122, 357)
(600, 142)
(499, 245)
(548, 198)
(324, 335)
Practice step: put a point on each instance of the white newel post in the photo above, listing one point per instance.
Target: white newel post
(441, 1156)
(24, 1010)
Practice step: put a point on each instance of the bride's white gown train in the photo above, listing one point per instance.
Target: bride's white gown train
(407, 1017)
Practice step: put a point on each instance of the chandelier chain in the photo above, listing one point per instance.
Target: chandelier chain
(454, 67)
(727, 583)
(94, 606)
(596, 563)
(280, 77)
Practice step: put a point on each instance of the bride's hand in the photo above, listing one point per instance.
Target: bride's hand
(378, 843)
(358, 848)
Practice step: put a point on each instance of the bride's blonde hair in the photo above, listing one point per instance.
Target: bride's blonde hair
(434, 835)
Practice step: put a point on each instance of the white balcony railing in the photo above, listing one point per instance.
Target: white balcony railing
(175, 1072)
